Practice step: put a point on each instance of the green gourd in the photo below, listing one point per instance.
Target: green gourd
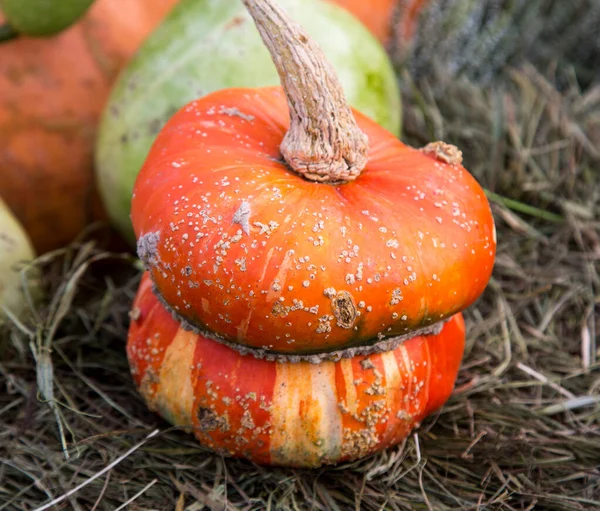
(207, 45)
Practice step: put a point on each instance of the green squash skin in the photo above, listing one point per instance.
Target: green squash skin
(43, 18)
(207, 45)
(15, 249)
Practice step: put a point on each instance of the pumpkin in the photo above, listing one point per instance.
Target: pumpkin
(407, 18)
(376, 15)
(207, 45)
(308, 229)
(15, 250)
(239, 244)
(392, 22)
(293, 414)
(51, 95)
(42, 18)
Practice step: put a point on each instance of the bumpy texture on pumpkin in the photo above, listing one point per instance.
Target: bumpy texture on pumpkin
(240, 245)
(301, 415)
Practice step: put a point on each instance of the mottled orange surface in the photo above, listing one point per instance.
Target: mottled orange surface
(294, 414)
(241, 245)
(52, 91)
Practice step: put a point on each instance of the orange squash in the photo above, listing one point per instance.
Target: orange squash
(305, 274)
(387, 18)
(376, 15)
(51, 94)
(239, 244)
(292, 414)
(303, 227)
(405, 26)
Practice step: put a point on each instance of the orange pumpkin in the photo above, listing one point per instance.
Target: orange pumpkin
(376, 15)
(51, 94)
(387, 18)
(293, 414)
(405, 24)
(239, 244)
(294, 236)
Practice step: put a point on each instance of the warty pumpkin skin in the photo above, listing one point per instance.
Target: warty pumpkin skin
(240, 245)
(207, 45)
(51, 94)
(292, 414)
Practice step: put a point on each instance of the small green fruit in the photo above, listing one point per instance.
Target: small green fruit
(42, 18)
(207, 45)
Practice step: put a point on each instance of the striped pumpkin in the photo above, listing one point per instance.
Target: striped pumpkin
(291, 414)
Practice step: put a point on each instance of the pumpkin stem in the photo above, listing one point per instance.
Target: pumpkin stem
(323, 143)
(7, 32)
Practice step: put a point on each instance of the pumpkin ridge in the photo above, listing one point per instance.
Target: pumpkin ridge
(369, 347)
(95, 51)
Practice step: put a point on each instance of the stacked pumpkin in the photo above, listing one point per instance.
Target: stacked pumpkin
(306, 271)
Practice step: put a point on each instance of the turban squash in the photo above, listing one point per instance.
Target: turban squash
(314, 267)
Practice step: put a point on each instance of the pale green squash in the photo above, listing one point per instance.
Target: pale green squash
(16, 250)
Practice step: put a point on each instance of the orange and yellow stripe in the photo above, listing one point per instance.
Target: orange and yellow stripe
(292, 414)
